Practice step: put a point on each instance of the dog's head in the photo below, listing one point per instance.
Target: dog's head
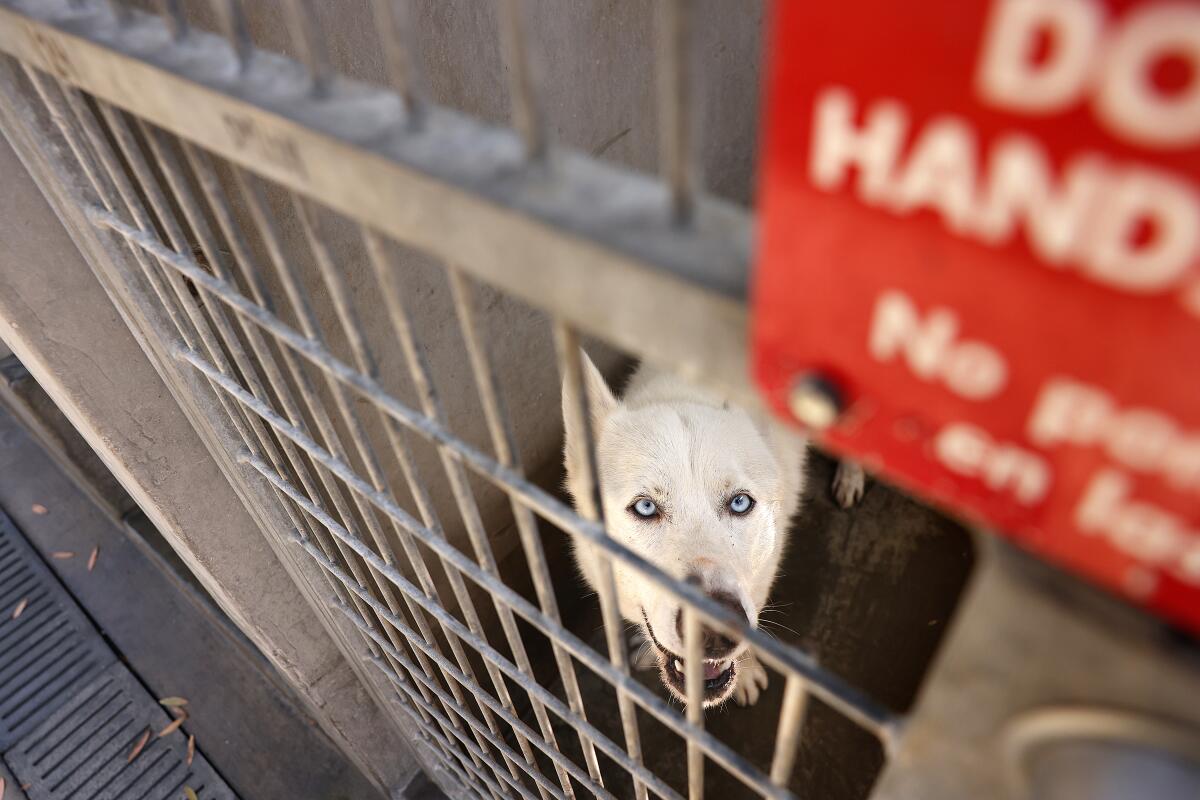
(690, 484)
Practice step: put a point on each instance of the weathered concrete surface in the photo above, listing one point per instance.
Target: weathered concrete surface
(1031, 639)
(57, 318)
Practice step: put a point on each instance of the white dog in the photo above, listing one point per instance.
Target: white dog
(704, 491)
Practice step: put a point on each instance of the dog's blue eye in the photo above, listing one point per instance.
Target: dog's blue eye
(741, 503)
(645, 507)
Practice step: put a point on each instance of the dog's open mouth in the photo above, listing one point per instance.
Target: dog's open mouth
(718, 676)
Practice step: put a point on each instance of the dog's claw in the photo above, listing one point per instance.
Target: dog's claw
(752, 681)
(849, 483)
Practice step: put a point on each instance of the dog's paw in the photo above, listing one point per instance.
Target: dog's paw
(849, 483)
(752, 680)
(641, 654)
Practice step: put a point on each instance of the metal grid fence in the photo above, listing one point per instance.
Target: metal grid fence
(150, 113)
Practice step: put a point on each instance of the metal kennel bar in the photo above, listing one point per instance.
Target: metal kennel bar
(179, 137)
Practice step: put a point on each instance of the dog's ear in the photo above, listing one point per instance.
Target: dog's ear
(601, 402)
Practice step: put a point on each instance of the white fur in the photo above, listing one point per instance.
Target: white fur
(690, 451)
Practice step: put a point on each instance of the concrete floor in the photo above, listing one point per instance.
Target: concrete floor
(247, 722)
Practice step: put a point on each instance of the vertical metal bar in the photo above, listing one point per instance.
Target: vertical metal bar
(176, 19)
(224, 339)
(241, 257)
(120, 11)
(519, 726)
(225, 335)
(787, 736)
(451, 556)
(460, 487)
(419, 712)
(393, 19)
(365, 362)
(454, 558)
(675, 107)
(101, 185)
(406, 587)
(468, 784)
(477, 776)
(450, 708)
(522, 90)
(257, 207)
(308, 39)
(437, 742)
(693, 674)
(68, 124)
(506, 454)
(237, 31)
(256, 204)
(200, 228)
(566, 345)
(466, 778)
(570, 367)
(496, 790)
(134, 158)
(81, 116)
(416, 697)
(433, 741)
(461, 491)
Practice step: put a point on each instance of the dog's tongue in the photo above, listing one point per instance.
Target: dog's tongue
(713, 669)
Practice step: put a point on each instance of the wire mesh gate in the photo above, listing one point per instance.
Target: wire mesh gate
(176, 145)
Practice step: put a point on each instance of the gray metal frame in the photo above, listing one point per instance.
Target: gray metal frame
(118, 95)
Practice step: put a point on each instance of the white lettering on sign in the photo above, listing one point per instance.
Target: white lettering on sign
(873, 149)
(1088, 53)
(1022, 191)
(1009, 77)
(1141, 530)
(931, 348)
(1003, 467)
(940, 174)
(1141, 439)
(1090, 215)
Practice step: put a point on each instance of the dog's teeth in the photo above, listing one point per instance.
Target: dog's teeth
(678, 665)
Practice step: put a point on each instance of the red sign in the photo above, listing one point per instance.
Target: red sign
(981, 224)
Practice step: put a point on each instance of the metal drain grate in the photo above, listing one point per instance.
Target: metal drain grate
(70, 713)
(49, 651)
(82, 750)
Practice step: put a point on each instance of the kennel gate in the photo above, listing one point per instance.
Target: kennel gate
(134, 122)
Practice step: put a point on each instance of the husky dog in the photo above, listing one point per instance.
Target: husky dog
(704, 491)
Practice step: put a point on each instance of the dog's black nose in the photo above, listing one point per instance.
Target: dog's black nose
(714, 643)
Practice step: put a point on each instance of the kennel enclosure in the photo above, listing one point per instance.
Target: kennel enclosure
(218, 191)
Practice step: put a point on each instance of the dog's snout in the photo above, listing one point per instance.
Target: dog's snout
(730, 601)
(715, 644)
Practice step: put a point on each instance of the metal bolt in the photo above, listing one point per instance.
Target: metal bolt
(815, 401)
